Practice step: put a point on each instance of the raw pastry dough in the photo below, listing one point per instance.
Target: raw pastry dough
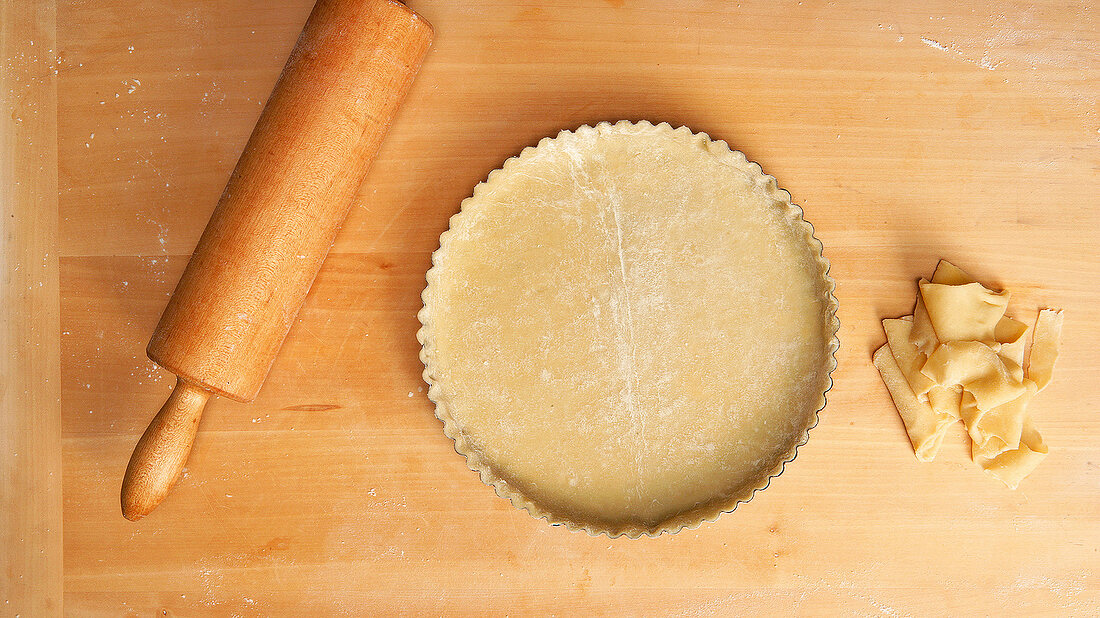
(910, 360)
(967, 312)
(1044, 349)
(923, 336)
(997, 430)
(949, 274)
(1011, 335)
(628, 329)
(976, 368)
(924, 426)
(946, 400)
(958, 357)
(1012, 466)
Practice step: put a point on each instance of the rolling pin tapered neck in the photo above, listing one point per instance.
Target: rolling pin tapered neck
(162, 452)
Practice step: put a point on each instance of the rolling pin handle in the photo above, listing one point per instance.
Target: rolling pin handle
(161, 454)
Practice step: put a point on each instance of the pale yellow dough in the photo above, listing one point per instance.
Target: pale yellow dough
(968, 312)
(910, 360)
(958, 357)
(925, 427)
(1044, 349)
(923, 336)
(1011, 466)
(1012, 335)
(628, 329)
(974, 366)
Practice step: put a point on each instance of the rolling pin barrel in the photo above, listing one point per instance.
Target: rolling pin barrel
(276, 221)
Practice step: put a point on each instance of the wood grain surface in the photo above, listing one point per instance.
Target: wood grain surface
(908, 131)
(30, 373)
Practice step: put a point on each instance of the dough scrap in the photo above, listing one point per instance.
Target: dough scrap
(998, 429)
(1011, 467)
(949, 274)
(959, 357)
(923, 336)
(974, 366)
(1044, 347)
(1011, 336)
(968, 312)
(947, 401)
(924, 426)
(910, 360)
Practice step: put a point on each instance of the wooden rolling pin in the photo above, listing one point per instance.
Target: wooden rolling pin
(275, 223)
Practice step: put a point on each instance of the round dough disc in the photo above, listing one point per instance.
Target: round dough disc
(628, 329)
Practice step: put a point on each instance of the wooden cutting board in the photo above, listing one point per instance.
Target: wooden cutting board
(908, 132)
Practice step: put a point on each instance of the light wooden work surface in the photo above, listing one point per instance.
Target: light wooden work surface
(907, 132)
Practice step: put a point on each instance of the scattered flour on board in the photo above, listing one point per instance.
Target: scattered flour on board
(984, 62)
(1066, 591)
(891, 28)
(931, 43)
(1020, 43)
(162, 237)
(1021, 40)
